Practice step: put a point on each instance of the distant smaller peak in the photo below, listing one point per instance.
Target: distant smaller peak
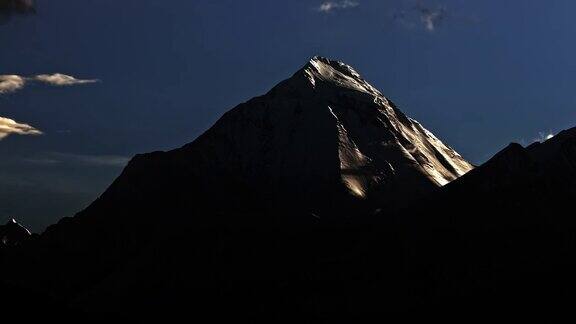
(514, 146)
(513, 155)
(13, 224)
(512, 149)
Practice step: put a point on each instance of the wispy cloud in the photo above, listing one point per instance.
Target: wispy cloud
(426, 16)
(99, 160)
(53, 158)
(329, 6)
(11, 83)
(60, 79)
(9, 126)
(431, 17)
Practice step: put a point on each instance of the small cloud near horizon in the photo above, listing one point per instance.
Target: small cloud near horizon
(330, 6)
(83, 159)
(543, 137)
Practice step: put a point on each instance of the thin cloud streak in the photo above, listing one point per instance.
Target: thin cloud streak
(53, 158)
(329, 6)
(60, 79)
(12, 83)
(430, 18)
(9, 126)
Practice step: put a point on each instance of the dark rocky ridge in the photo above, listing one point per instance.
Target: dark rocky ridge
(506, 244)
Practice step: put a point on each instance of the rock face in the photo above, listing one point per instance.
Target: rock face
(325, 129)
(13, 234)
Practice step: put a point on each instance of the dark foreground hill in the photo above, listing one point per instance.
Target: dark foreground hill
(319, 202)
(506, 239)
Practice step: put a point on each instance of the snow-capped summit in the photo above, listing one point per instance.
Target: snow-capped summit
(372, 131)
(339, 73)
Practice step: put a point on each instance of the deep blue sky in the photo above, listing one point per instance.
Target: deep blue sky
(490, 72)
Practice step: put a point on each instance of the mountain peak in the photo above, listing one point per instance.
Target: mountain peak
(320, 139)
(318, 61)
(336, 74)
(323, 141)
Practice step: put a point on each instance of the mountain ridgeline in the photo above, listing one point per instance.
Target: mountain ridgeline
(317, 202)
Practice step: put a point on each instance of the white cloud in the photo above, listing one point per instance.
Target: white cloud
(11, 83)
(329, 6)
(431, 17)
(60, 79)
(10, 126)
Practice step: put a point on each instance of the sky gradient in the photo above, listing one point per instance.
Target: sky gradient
(479, 74)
